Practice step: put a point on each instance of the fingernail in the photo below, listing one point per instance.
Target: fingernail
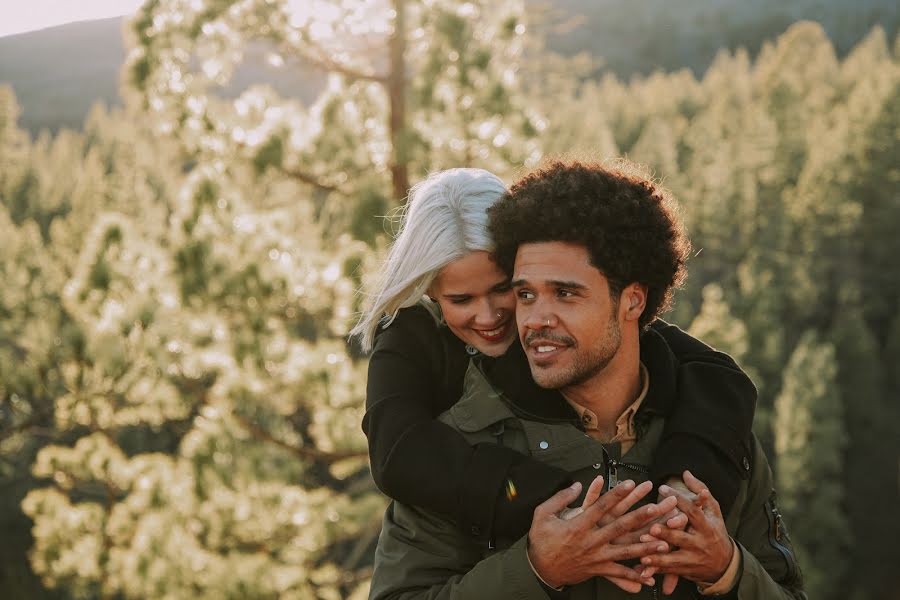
(662, 548)
(628, 484)
(575, 486)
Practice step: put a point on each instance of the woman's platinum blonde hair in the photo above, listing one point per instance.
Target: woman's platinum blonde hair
(444, 219)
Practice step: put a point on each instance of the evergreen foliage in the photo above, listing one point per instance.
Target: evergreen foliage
(810, 437)
(179, 407)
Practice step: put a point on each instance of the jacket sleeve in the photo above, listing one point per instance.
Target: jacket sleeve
(709, 428)
(769, 564)
(421, 556)
(420, 461)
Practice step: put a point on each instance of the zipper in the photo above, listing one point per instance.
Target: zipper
(612, 469)
(776, 533)
(654, 592)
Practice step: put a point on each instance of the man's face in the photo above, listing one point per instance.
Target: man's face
(567, 321)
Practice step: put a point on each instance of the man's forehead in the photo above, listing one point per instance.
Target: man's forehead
(551, 260)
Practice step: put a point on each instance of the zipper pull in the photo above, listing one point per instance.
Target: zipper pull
(613, 473)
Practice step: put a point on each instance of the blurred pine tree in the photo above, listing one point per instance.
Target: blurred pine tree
(810, 439)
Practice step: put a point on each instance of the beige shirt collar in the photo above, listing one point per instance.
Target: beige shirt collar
(625, 431)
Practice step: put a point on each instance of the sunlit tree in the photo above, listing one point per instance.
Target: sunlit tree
(176, 387)
(810, 438)
(412, 86)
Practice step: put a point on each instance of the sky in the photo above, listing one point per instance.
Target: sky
(19, 16)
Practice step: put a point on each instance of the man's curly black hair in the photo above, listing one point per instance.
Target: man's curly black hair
(626, 222)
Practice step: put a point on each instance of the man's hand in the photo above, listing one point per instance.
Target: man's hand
(565, 552)
(673, 518)
(676, 520)
(704, 551)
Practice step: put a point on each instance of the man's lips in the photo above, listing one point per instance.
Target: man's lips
(540, 346)
(545, 350)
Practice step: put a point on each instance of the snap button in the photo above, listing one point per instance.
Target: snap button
(746, 463)
(597, 465)
(544, 445)
(471, 350)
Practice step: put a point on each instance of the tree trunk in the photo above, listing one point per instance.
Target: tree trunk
(397, 93)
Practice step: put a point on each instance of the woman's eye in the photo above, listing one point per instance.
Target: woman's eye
(459, 300)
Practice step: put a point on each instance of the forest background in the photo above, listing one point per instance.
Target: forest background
(179, 404)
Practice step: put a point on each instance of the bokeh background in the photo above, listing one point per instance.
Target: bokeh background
(179, 405)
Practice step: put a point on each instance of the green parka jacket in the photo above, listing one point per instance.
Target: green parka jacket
(423, 555)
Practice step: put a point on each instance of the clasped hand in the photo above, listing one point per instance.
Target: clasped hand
(566, 549)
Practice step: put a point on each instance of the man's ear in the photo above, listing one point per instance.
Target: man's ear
(633, 301)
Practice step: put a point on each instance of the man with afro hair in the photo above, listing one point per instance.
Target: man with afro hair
(594, 252)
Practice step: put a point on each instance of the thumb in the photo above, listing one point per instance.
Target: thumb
(558, 501)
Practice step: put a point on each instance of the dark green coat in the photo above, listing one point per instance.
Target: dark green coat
(424, 555)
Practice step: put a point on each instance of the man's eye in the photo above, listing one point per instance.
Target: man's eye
(459, 300)
(525, 295)
(565, 293)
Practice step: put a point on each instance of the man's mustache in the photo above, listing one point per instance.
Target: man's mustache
(543, 336)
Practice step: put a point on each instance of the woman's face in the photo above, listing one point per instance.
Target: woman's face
(477, 302)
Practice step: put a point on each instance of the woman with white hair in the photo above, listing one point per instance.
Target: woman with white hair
(441, 300)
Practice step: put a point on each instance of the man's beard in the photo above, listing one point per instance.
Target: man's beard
(586, 363)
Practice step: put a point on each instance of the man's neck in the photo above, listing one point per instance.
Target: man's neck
(608, 393)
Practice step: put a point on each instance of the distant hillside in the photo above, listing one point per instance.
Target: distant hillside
(59, 73)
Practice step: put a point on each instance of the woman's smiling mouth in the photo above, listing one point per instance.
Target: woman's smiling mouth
(494, 335)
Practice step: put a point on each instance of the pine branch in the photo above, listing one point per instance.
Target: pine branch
(311, 180)
(23, 427)
(308, 453)
(319, 59)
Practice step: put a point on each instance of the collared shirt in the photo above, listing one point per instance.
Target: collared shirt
(626, 436)
(625, 433)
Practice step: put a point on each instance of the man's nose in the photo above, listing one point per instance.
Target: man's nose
(535, 317)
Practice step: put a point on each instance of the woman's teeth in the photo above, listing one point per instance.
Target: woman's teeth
(492, 332)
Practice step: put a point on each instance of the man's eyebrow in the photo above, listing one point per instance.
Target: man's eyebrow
(574, 285)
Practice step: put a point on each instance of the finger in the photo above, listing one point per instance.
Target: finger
(617, 571)
(679, 521)
(594, 491)
(629, 551)
(557, 502)
(670, 581)
(706, 499)
(694, 513)
(633, 521)
(625, 504)
(595, 511)
(679, 562)
(567, 514)
(632, 587)
(693, 484)
(628, 501)
(674, 537)
(648, 572)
